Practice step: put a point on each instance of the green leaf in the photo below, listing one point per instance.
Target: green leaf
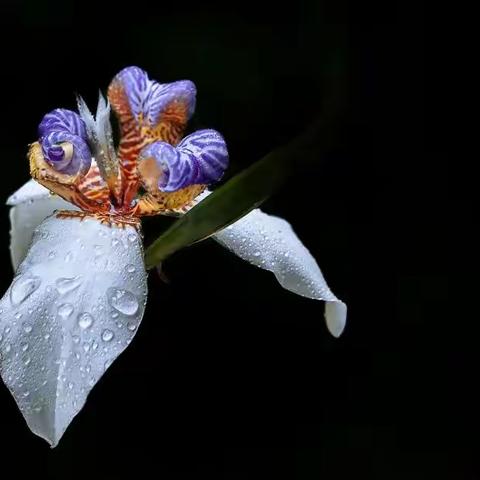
(244, 192)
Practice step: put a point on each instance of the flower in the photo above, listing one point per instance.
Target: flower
(80, 286)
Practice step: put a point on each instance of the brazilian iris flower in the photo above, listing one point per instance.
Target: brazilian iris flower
(80, 285)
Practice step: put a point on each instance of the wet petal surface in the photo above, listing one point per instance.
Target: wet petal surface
(73, 307)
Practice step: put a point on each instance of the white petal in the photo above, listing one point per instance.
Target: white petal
(73, 307)
(32, 190)
(270, 243)
(31, 204)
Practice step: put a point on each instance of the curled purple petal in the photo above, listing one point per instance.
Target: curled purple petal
(63, 137)
(134, 81)
(62, 120)
(148, 99)
(199, 159)
(160, 95)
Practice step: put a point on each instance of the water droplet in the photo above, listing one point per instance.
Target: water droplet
(131, 326)
(65, 285)
(27, 328)
(18, 316)
(70, 385)
(115, 242)
(107, 335)
(65, 310)
(95, 345)
(27, 361)
(8, 348)
(22, 288)
(6, 330)
(257, 254)
(86, 347)
(51, 255)
(24, 346)
(130, 268)
(123, 301)
(132, 237)
(46, 336)
(26, 393)
(85, 320)
(115, 315)
(76, 339)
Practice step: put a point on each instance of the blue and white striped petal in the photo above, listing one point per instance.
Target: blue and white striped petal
(148, 99)
(63, 138)
(199, 159)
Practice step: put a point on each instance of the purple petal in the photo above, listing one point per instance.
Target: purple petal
(134, 81)
(161, 95)
(149, 99)
(199, 159)
(61, 120)
(59, 129)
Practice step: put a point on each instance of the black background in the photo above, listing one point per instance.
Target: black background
(230, 376)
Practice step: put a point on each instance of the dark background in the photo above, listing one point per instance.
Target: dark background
(231, 376)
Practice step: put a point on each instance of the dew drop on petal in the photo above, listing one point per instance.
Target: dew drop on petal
(85, 320)
(65, 285)
(130, 268)
(65, 310)
(107, 335)
(22, 288)
(123, 301)
(27, 328)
